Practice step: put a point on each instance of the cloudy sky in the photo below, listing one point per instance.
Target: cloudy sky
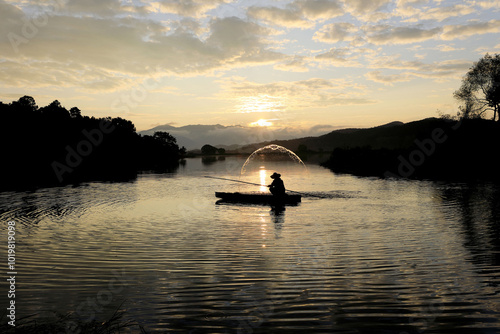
(292, 64)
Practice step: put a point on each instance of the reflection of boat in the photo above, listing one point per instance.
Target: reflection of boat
(259, 198)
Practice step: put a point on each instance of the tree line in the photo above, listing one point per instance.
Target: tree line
(51, 145)
(461, 147)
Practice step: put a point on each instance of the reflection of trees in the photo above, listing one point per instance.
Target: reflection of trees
(57, 203)
(49, 145)
(478, 210)
(208, 160)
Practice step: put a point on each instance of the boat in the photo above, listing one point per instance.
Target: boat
(258, 198)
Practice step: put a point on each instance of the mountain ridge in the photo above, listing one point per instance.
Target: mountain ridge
(194, 136)
(385, 135)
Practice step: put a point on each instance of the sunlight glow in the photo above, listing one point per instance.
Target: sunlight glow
(264, 230)
(260, 103)
(261, 122)
(263, 179)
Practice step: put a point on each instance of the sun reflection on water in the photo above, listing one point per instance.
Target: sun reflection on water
(264, 230)
(263, 178)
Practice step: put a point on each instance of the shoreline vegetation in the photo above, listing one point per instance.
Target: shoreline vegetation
(51, 146)
(442, 148)
(435, 149)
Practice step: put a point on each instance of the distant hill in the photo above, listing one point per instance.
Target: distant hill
(391, 135)
(231, 137)
(394, 135)
(428, 149)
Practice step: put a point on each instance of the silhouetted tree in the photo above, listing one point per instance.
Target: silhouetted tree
(165, 138)
(26, 102)
(208, 150)
(55, 111)
(122, 124)
(75, 112)
(49, 145)
(480, 89)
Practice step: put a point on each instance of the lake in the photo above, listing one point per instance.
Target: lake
(357, 255)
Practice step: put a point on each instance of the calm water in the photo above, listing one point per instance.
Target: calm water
(373, 256)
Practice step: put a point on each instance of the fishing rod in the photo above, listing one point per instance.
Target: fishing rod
(261, 185)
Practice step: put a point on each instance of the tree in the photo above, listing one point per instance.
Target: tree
(165, 137)
(75, 113)
(302, 148)
(26, 102)
(166, 140)
(122, 124)
(480, 89)
(208, 150)
(55, 111)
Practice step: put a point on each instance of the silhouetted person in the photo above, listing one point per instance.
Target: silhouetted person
(277, 187)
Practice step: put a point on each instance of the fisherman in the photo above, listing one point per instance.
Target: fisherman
(277, 187)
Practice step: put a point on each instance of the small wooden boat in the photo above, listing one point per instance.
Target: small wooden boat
(259, 198)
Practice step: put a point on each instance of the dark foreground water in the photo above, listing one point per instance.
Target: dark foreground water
(372, 256)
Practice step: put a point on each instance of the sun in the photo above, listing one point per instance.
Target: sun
(261, 122)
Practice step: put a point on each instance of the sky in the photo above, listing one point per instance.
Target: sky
(279, 64)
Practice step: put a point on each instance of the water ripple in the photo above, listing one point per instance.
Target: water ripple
(394, 257)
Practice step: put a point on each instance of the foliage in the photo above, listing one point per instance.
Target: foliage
(208, 150)
(480, 89)
(51, 145)
(302, 148)
(212, 150)
(465, 152)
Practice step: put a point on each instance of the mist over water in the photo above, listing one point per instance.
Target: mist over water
(373, 255)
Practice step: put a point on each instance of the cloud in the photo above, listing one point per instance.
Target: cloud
(413, 13)
(466, 30)
(392, 35)
(284, 96)
(345, 57)
(293, 64)
(439, 71)
(280, 16)
(319, 9)
(442, 13)
(101, 7)
(322, 128)
(50, 74)
(399, 35)
(447, 48)
(115, 45)
(416, 11)
(368, 10)
(366, 6)
(488, 49)
(120, 47)
(187, 8)
(336, 32)
(298, 14)
(388, 80)
(490, 4)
